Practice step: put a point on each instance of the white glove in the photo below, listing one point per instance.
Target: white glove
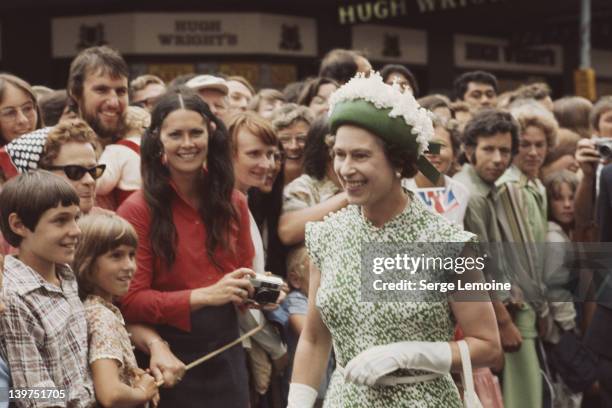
(379, 361)
(301, 396)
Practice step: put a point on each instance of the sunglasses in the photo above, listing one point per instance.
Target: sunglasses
(75, 172)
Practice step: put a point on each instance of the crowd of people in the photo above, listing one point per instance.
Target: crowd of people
(137, 217)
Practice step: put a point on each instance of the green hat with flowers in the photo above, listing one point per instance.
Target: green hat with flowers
(382, 109)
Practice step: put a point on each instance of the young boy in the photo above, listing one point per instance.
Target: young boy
(43, 332)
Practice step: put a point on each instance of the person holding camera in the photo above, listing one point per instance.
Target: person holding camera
(592, 154)
(194, 254)
(253, 144)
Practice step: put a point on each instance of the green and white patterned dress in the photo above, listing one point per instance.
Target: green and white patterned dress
(334, 245)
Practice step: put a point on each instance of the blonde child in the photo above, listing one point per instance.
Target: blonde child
(104, 264)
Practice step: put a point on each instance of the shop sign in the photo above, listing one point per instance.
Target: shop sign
(368, 11)
(187, 33)
(427, 6)
(497, 54)
(373, 10)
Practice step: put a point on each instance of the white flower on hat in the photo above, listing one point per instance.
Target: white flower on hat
(384, 96)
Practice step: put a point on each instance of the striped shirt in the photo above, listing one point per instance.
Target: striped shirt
(43, 334)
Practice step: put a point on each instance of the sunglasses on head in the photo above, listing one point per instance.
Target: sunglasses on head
(76, 172)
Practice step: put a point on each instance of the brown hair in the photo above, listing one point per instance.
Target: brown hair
(74, 130)
(434, 101)
(311, 89)
(553, 183)
(100, 233)
(572, 112)
(567, 142)
(602, 106)
(255, 124)
(29, 195)
(94, 59)
(268, 95)
(537, 91)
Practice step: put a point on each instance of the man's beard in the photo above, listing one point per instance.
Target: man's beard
(106, 135)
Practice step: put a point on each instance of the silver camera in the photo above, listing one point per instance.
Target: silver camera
(267, 288)
(604, 147)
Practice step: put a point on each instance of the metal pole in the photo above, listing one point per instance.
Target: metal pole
(585, 34)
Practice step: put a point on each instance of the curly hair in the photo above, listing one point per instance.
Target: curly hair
(289, 114)
(489, 122)
(215, 191)
(67, 131)
(136, 119)
(528, 113)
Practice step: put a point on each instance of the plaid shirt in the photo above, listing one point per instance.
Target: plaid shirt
(43, 334)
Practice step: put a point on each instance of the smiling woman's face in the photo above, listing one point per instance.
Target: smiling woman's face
(293, 138)
(18, 114)
(184, 136)
(362, 166)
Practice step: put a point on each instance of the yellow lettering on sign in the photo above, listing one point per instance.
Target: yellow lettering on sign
(346, 14)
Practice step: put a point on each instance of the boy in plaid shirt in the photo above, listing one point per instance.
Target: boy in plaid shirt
(43, 332)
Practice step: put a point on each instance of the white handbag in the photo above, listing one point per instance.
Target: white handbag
(470, 399)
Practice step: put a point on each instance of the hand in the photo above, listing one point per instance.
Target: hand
(510, 336)
(164, 366)
(233, 287)
(301, 396)
(587, 157)
(146, 384)
(268, 307)
(378, 361)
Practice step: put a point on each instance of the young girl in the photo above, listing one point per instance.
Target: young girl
(104, 264)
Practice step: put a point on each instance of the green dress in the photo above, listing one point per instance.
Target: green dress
(334, 245)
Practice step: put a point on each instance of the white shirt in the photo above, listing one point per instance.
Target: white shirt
(122, 168)
(449, 201)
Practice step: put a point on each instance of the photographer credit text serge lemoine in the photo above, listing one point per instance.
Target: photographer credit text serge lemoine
(412, 264)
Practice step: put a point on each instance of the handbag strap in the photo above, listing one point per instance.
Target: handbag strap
(470, 398)
(467, 378)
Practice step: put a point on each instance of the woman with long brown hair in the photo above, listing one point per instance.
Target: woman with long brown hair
(194, 250)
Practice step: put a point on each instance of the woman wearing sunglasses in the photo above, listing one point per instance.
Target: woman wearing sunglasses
(72, 151)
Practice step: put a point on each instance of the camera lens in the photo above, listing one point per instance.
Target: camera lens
(605, 150)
